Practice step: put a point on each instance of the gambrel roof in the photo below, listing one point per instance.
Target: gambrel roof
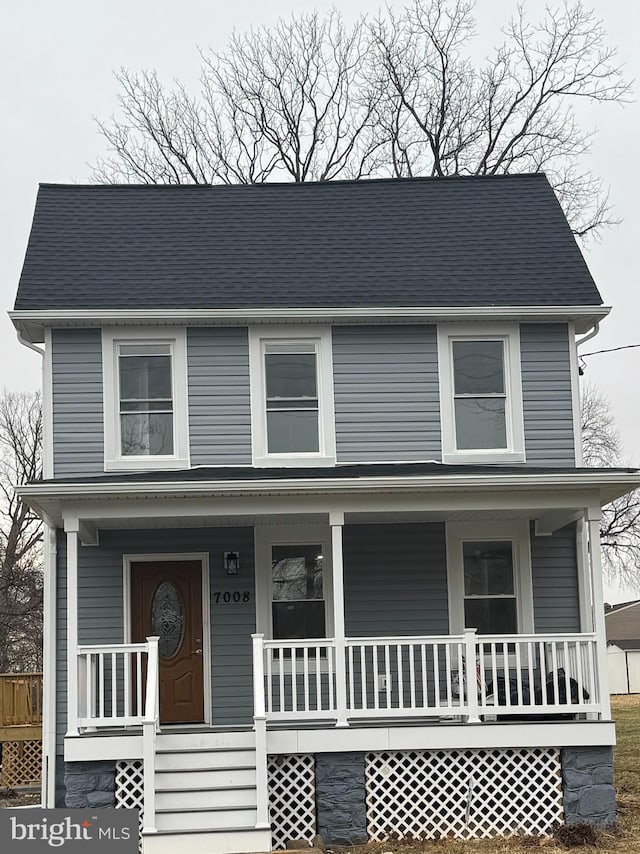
(460, 241)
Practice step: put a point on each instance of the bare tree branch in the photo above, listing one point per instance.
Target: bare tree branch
(620, 525)
(20, 534)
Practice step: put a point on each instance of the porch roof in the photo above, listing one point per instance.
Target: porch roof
(426, 486)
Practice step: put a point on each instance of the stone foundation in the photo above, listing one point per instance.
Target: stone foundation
(587, 781)
(89, 784)
(340, 798)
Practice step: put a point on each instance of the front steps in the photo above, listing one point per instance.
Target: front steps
(206, 794)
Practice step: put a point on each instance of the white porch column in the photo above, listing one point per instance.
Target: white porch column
(593, 521)
(336, 520)
(71, 528)
(584, 577)
(49, 669)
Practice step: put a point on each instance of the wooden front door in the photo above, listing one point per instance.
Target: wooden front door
(166, 600)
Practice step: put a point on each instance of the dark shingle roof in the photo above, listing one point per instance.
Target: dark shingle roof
(202, 474)
(500, 240)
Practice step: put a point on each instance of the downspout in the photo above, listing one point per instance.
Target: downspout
(589, 335)
(49, 543)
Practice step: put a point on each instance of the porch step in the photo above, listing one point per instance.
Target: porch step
(205, 739)
(227, 841)
(205, 778)
(232, 796)
(224, 818)
(184, 759)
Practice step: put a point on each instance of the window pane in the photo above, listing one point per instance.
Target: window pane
(296, 572)
(146, 434)
(491, 616)
(292, 432)
(145, 377)
(488, 568)
(292, 620)
(290, 375)
(480, 423)
(478, 367)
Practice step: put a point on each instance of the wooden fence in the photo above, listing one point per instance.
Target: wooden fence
(21, 728)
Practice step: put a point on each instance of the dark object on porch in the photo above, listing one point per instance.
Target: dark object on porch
(562, 690)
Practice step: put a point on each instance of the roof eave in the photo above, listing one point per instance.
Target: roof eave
(31, 324)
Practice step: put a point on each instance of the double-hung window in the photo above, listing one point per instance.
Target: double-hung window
(293, 581)
(481, 393)
(145, 399)
(489, 577)
(292, 397)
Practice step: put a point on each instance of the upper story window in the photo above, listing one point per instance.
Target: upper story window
(480, 393)
(292, 397)
(145, 399)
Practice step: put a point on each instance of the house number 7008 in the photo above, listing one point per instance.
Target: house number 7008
(230, 596)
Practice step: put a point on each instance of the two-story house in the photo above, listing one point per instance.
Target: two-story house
(320, 552)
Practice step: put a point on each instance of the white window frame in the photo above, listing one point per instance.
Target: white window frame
(509, 334)
(267, 536)
(320, 337)
(176, 338)
(516, 531)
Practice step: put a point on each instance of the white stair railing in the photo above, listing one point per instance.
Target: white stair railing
(150, 726)
(260, 727)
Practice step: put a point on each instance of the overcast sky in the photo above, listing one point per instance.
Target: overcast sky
(56, 69)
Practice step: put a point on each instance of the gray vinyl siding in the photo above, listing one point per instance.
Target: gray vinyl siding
(76, 359)
(554, 567)
(546, 392)
(386, 393)
(219, 396)
(395, 580)
(101, 616)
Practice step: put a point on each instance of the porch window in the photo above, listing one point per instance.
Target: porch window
(292, 417)
(298, 606)
(481, 393)
(489, 578)
(489, 589)
(145, 399)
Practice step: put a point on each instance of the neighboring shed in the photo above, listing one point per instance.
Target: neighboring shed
(623, 648)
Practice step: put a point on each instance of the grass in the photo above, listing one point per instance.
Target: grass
(622, 839)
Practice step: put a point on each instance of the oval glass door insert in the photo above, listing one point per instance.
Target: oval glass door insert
(167, 619)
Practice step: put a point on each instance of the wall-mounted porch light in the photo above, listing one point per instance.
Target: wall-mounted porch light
(232, 562)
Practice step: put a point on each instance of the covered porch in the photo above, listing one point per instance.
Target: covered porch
(395, 657)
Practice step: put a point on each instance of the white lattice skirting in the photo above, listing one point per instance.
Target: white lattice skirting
(292, 798)
(463, 793)
(130, 788)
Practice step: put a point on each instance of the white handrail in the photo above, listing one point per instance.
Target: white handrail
(260, 728)
(149, 729)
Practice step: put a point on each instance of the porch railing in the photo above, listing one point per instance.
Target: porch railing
(112, 684)
(467, 676)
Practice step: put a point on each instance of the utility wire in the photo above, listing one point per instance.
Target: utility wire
(610, 350)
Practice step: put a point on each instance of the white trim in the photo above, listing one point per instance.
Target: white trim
(517, 532)
(32, 322)
(509, 334)
(49, 669)
(266, 536)
(71, 529)
(320, 337)
(47, 407)
(441, 737)
(575, 392)
(177, 557)
(616, 610)
(176, 338)
(593, 517)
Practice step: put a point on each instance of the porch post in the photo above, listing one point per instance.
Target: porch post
(593, 520)
(49, 668)
(71, 528)
(336, 520)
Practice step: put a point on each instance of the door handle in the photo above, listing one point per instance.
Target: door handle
(197, 652)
